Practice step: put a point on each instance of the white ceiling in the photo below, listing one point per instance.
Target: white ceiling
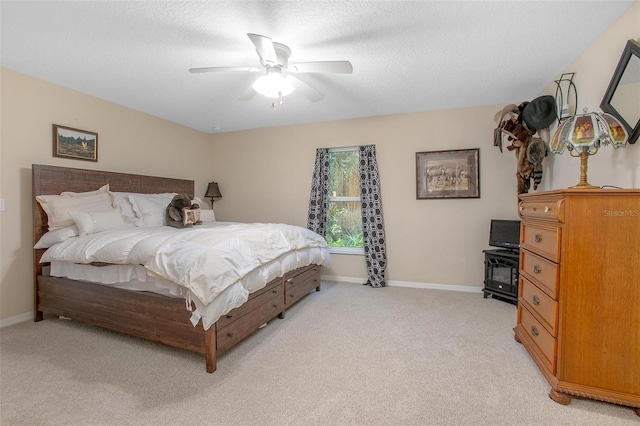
(407, 56)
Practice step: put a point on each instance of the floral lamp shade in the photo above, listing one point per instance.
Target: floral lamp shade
(583, 134)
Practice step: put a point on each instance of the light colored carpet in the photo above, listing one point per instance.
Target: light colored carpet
(349, 354)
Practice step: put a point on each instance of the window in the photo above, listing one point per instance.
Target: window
(344, 219)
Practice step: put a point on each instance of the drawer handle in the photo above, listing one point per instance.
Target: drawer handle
(274, 291)
(537, 269)
(536, 299)
(538, 238)
(229, 316)
(534, 330)
(546, 209)
(275, 306)
(230, 334)
(290, 294)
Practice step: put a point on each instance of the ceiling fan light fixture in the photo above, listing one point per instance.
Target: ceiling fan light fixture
(273, 84)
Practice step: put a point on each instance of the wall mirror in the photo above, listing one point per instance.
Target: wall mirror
(622, 98)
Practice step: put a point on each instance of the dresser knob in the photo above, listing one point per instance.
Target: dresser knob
(534, 330)
(536, 299)
(538, 238)
(230, 334)
(546, 209)
(536, 269)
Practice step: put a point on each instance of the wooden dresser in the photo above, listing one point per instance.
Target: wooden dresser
(579, 292)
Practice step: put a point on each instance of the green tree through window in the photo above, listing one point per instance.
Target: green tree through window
(344, 220)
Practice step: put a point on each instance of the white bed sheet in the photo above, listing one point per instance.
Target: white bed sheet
(136, 278)
(220, 262)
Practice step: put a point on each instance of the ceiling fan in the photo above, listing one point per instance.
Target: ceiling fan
(278, 78)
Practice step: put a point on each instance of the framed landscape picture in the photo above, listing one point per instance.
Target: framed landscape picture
(74, 143)
(448, 174)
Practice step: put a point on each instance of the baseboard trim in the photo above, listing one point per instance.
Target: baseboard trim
(15, 320)
(426, 286)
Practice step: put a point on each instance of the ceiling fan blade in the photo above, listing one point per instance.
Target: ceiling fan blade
(217, 69)
(336, 67)
(307, 91)
(264, 46)
(248, 94)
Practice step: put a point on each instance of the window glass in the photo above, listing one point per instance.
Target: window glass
(344, 220)
(345, 177)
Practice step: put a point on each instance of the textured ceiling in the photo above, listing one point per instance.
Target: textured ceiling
(407, 56)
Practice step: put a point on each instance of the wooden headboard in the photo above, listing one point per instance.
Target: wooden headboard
(52, 180)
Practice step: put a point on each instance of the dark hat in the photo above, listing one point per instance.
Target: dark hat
(540, 112)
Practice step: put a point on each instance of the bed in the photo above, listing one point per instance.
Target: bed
(166, 317)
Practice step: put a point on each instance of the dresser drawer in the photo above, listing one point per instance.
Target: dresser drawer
(551, 209)
(545, 343)
(542, 240)
(242, 327)
(543, 307)
(544, 273)
(257, 298)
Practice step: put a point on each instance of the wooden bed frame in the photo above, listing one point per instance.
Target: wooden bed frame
(147, 315)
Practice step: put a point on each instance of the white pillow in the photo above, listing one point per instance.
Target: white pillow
(207, 215)
(54, 237)
(121, 202)
(93, 222)
(150, 208)
(58, 207)
(102, 190)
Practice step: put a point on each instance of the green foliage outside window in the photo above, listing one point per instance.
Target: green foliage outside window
(344, 227)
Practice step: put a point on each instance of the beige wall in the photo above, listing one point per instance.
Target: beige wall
(594, 68)
(265, 175)
(128, 141)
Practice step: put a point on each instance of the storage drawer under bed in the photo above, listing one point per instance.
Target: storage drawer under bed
(268, 292)
(245, 325)
(298, 286)
(262, 306)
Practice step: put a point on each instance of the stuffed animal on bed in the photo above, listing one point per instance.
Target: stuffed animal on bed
(182, 212)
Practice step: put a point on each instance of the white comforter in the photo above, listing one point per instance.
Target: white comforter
(205, 259)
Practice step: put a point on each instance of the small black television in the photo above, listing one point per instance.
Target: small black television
(505, 234)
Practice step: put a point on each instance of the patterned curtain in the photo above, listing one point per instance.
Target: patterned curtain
(318, 200)
(375, 250)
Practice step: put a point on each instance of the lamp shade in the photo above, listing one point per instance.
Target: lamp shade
(583, 134)
(587, 132)
(213, 191)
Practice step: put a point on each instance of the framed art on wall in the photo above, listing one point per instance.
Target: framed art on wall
(448, 174)
(74, 143)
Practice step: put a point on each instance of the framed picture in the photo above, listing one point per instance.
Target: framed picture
(74, 143)
(448, 174)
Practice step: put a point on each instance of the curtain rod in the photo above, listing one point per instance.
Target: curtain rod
(346, 148)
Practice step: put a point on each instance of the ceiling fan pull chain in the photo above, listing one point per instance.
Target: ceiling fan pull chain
(275, 104)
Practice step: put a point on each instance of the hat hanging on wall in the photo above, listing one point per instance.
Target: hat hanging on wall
(540, 112)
